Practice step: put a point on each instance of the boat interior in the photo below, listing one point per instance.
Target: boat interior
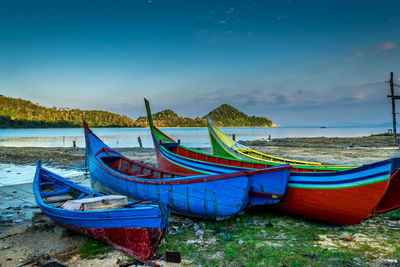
(61, 195)
(136, 169)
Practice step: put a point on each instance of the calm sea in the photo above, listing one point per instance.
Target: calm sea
(191, 137)
(11, 174)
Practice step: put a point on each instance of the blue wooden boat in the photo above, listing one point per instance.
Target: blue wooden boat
(206, 196)
(133, 228)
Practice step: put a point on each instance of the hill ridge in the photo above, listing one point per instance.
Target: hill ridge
(20, 113)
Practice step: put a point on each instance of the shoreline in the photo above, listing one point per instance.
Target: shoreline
(329, 150)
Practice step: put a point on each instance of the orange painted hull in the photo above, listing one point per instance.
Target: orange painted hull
(330, 205)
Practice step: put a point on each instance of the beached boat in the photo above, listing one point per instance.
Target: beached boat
(223, 145)
(340, 197)
(207, 196)
(133, 228)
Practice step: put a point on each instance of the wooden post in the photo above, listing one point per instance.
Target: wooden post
(233, 137)
(393, 108)
(140, 141)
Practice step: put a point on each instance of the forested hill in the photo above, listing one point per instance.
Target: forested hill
(228, 116)
(19, 113)
(168, 118)
(223, 116)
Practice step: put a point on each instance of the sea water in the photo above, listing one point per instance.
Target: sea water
(190, 137)
(128, 137)
(12, 174)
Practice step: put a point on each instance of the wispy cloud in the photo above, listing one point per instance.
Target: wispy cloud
(280, 17)
(378, 47)
(285, 99)
(359, 96)
(230, 10)
(383, 46)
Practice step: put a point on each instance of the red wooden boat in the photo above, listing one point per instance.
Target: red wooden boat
(342, 197)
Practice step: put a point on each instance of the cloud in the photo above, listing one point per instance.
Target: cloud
(360, 96)
(383, 46)
(280, 17)
(379, 47)
(285, 99)
(230, 10)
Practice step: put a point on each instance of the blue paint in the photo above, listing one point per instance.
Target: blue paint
(207, 196)
(134, 216)
(214, 199)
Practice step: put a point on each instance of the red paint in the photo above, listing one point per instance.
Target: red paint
(116, 165)
(391, 199)
(140, 243)
(340, 206)
(329, 205)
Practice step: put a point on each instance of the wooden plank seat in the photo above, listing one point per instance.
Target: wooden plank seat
(58, 198)
(103, 202)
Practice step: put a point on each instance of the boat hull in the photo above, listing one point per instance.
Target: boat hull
(140, 243)
(136, 230)
(365, 189)
(205, 196)
(345, 206)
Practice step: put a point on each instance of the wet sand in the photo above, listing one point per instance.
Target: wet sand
(22, 240)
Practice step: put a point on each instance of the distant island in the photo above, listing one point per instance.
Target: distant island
(19, 113)
(223, 116)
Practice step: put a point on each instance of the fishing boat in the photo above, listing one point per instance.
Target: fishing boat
(341, 197)
(206, 196)
(223, 145)
(133, 228)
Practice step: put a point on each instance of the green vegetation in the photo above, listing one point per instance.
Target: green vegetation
(92, 247)
(19, 113)
(265, 238)
(223, 116)
(168, 118)
(228, 116)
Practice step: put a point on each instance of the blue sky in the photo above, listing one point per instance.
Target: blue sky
(295, 62)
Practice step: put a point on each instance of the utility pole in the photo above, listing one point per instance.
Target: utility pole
(393, 97)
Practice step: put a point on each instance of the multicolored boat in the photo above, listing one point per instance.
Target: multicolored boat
(223, 145)
(133, 228)
(340, 197)
(207, 196)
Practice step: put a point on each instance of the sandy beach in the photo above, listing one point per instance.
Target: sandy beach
(27, 237)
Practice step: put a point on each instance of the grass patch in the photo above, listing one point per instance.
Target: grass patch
(265, 238)
(90, 248)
